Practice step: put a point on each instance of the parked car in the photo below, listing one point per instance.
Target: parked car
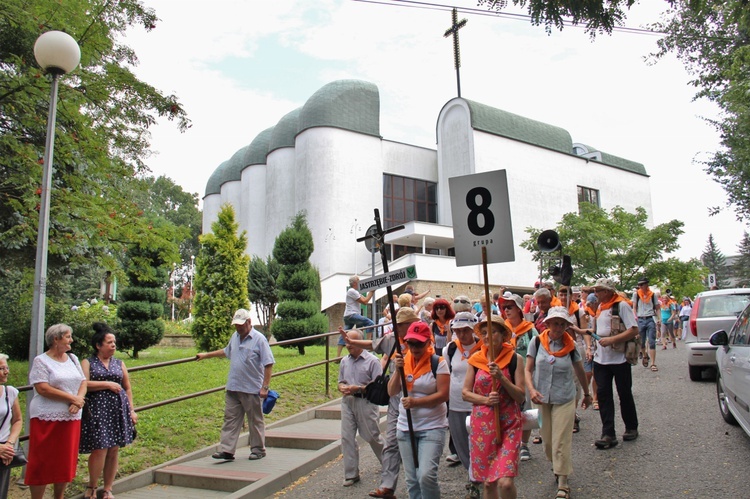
(712, 311)
(733, 371)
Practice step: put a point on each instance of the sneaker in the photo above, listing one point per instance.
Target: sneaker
(606, 442)
(226, 456)
(472, 491)
(453, 459)
(351, 481)
(524, 455)
(630, 435)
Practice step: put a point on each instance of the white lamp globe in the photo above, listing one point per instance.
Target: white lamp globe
(57, 52)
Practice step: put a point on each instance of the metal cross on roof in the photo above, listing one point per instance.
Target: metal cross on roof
(456, 25)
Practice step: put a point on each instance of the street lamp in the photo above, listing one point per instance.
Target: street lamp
(192, 293)
(174, 271)
(56, 53)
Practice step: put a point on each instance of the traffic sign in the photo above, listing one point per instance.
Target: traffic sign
(383, 280)
(711, 280)
(371, 243)
(481, 217)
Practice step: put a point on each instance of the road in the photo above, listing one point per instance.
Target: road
(685, 449)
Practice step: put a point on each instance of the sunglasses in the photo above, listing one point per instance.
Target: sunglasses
(467, 302)
(416, 344)
(440, 307)
(508, 307)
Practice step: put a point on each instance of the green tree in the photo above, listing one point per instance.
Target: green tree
(715, 261)
(220, 281)
(299, 286)
(684, 278)
(142, 301)
(741, 266)
(261, 287)
(617, 244)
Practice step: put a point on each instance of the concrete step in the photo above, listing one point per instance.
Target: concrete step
(334, 412)
(170, 492)
(313, 434)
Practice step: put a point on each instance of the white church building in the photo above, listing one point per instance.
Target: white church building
(329, 159)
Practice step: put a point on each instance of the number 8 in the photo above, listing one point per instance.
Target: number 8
(481, 208)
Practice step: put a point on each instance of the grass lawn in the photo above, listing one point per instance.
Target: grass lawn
(167, 432)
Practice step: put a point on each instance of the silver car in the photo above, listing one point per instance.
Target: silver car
(733, 371)
(712, 311)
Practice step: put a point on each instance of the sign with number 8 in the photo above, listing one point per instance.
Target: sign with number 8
(481, 217)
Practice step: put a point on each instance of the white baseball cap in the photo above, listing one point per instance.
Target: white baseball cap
(241, 316)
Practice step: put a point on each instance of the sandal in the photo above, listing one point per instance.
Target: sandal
(537, 440)
(107, 494)
(563, 493)
(577, 425)
(595, 405)
(645, 361)
(654, 368)
(86, 494)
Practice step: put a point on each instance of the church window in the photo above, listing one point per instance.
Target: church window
(408, 199)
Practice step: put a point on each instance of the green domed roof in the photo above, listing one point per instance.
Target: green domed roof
(612, 160)
(348, 104)
(255, 153)
(233, 170)
(498, 122)
(213, 186)
(285, 131)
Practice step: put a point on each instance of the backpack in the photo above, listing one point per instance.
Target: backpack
(653, 302)
(630, 348)
(376, 391)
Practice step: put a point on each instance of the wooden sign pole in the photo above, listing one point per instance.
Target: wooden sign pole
(490, 346)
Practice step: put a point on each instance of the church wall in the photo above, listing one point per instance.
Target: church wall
(280, 192)
(231, 193)
(211, 207)
(409, 161)
(338, 177)
(455, 152)
(253, 200)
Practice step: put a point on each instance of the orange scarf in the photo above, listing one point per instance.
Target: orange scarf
(441, 326)
(413, 370)
(590, 311)
(645, 297)
(479, 359)
(555, 302)
(518, 331)
(573, 308)
(568, 344)
(474, 348)
(606, 306)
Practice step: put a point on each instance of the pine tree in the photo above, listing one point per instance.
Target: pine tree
(261, 287)
(299, 286)
(220, 282)
(716, 262)
(741, 267)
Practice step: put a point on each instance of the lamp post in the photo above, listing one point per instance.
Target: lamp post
(57, 53)
(192, 293)
(174, 270)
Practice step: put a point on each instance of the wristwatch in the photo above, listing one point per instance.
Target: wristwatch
(265, 387)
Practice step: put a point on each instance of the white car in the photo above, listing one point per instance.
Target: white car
(733, 371)
(712, 311)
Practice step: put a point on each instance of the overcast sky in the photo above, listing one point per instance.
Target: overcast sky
(239, 66)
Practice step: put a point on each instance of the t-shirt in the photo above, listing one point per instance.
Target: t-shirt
(7, 409)
(459, 364)
(685, 311)
(666, 313)
(606, 355)
(66, 376)
(425, 418)
(352, 302)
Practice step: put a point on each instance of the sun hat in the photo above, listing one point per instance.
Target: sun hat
(495, 319)
(605, 283)
(405, 315)
(558, 313)
(241, 316)
(513, 298)
(418, 331)
(464, 319)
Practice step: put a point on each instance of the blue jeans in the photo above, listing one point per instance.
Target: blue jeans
(647, 328)
(356, 320)
(422, 482)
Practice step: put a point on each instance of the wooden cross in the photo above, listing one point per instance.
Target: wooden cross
(455, 26)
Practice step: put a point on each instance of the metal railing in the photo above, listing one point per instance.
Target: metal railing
(327, 362)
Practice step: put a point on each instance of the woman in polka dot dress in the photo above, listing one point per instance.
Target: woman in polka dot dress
(110, 424)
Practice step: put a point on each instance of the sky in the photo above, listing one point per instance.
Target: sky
(239, 66)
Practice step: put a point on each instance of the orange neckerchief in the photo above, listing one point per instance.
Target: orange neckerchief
(573, 308)
(645, 297)
(415, 371)
(555, 302)
(474, 348)
(589, 311)
(568, 344)
(606, 306)
(479, 359)
(518, 331)
(441, 326)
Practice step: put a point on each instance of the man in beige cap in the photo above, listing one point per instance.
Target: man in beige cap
(384, 345)
(250, 366)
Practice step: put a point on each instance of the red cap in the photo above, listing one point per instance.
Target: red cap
(419, 331)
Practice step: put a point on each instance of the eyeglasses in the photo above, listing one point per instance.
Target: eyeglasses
(508, 307)
(440, 307)
(416, 344)
(6, 369)
(467, 302)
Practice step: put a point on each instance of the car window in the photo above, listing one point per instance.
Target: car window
(740, 331)
(722, 305)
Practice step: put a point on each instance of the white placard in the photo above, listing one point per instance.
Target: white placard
(384, 280)
(481, 217)
(711, 280)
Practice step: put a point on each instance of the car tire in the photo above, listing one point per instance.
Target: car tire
(696, 373)
(723, 406)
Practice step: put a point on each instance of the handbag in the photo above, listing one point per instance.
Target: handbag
(376, 391)
(19, 458)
